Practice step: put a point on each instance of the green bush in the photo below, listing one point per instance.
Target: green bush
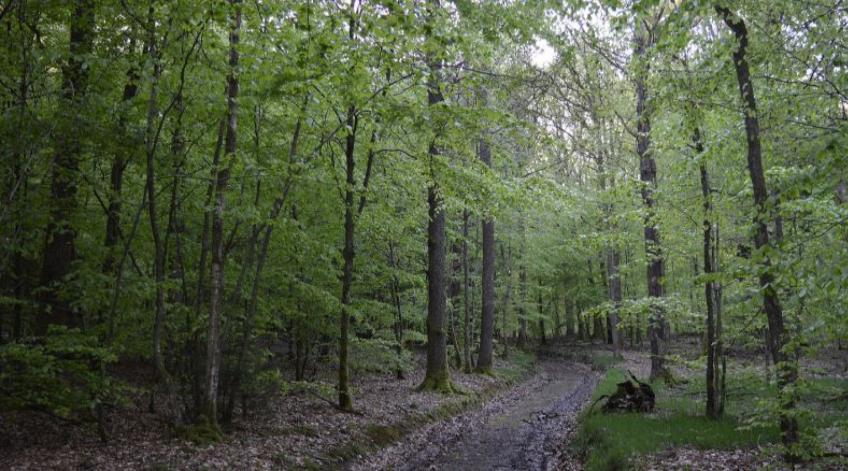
(62, 374)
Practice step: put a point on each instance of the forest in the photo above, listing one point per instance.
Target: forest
(424, 234)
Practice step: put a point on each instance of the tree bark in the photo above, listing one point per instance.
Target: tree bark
(466, 302)
(222, 177)
(713, 387)
(648, 177)
(454, 292)
(116, 179)
(522, 288)
(615, 297)
(787, 368)
(60, 235)
(348, 254)
(151, 141)
(437, 376)
(487, 318)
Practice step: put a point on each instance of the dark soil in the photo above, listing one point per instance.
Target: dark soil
(522, 428)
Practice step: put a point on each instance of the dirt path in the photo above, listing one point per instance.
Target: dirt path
(525, 427)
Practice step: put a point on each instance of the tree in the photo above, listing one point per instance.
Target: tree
(657, 329)
(222, 177)
(60, 235)
(487, 318)
(437, 376)
(778, 335)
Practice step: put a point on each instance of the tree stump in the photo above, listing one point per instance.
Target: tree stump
(630, 396)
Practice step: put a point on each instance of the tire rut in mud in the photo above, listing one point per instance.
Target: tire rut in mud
(525, 427)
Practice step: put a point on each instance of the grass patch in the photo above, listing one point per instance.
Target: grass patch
(607, 441)
(602, 361)
(382, 435)
(202, 433)
(304, 429)
(520, 364)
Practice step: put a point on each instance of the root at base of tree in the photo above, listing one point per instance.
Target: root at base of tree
(439, 383)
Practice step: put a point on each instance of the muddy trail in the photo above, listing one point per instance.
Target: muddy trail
(525, 427)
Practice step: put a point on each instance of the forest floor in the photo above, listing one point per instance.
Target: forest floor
(524, 417)
(523, 428)
(297, 430)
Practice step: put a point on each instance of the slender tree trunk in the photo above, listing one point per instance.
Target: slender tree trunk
(787, 367)
(542, 339)
(557, 320)
(712, 409)
(614, 287)
(454, 291)
(507, 297)
(264, 244)
(570, 321)
(398, 327)
(60, 235)
(648, 176)
(719, 348)
(151, 141)
(466, 302)
(213, 347)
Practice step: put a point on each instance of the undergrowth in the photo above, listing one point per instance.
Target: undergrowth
(608, 441)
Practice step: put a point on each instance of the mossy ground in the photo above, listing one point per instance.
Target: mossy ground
(204, 432)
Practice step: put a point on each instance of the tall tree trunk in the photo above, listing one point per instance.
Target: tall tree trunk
(487, 318)
(213, 353)
(648, 176)
(713, 387)
(437, 376)
(60, 235)
(151, 141)
(348, 254)
(787, 367)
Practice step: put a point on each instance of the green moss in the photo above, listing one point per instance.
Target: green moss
(347, 452)
(521, 364)
(203, 432)
(382, 435)
(304, 430)
(439, 382)
(484, 371)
